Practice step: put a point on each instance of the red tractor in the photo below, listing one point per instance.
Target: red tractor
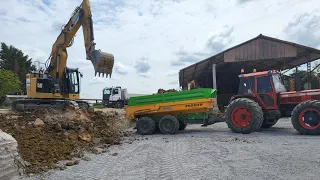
(262, 100)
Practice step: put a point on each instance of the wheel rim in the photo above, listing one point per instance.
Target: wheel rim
(309, 118)
(241, 117)
(144, 126)
(167, 125)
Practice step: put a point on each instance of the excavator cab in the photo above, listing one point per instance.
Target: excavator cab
(71, 83)
(102, 62)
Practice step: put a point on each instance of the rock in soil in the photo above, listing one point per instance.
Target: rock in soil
(38, 122)
(86, 158)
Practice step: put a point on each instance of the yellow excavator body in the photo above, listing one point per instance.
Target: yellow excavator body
(58, 85)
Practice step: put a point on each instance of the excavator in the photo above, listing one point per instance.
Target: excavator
(57, 86)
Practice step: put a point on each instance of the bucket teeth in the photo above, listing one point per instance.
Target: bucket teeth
(102, 74)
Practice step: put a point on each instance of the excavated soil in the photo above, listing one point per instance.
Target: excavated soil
(161, 91)
(46, 137)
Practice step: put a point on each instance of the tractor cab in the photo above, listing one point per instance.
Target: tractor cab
(262, 87)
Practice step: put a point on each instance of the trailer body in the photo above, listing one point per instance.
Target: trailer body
(172, 97)
(170, 109)
(181, 102)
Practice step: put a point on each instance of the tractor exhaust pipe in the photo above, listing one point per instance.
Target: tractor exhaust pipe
(102, 62)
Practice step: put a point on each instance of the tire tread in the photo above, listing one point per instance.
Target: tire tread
(295, 117)
(175, 121)
(256, 115)
(152, 128)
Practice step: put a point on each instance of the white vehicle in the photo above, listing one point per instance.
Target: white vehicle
(116, 97)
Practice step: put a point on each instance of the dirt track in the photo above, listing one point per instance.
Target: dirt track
(212, 152)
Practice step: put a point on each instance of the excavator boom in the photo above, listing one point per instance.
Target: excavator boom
(102, 62)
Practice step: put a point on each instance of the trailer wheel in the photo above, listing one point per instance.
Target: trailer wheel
(244, 115)
(169, 124)
(305, 117)
(182, 125)
(146, 125)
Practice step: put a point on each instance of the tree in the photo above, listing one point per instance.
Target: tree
(314, 79)
(16, 61)
(317, 66)
(9, 83)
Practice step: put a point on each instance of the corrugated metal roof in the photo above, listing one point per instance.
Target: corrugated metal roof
(262, 52)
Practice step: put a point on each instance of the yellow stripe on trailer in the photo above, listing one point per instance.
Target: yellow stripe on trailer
(184, 107)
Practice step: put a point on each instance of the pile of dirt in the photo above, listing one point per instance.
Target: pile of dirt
(46, 137)
(161, 91)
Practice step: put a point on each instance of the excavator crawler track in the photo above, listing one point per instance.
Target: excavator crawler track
(25, 105)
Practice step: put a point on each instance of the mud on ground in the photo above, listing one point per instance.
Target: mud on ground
(46, 137)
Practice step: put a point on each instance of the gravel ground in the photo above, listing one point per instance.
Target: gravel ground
(4, 110)
(212, 152)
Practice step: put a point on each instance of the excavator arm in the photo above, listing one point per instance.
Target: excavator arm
(101, 61)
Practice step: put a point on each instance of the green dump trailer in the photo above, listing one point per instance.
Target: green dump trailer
(171, 111)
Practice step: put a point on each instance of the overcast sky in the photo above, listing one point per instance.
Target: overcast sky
(152, 40)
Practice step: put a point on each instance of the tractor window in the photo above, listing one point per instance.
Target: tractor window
(246, 85)
(278, 85)
(264, 85)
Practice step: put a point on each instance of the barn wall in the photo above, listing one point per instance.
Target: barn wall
(260, 49)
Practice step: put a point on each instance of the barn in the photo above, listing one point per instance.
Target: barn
(261, 53)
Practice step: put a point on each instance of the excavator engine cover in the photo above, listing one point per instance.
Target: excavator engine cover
(102, 62)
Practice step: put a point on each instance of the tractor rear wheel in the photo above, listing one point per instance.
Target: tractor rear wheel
(169, 124)
(146, 125)
(305, 117)
(244, 115)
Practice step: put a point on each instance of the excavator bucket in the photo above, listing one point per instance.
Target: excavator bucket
(102, 62)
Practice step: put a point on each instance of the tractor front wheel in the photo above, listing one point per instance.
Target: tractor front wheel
(244, 115)
(305, 117)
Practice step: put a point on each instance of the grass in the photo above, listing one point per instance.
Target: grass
(4, 107)
(98, 106)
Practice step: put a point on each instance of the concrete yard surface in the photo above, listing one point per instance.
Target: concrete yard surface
(212, 152)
